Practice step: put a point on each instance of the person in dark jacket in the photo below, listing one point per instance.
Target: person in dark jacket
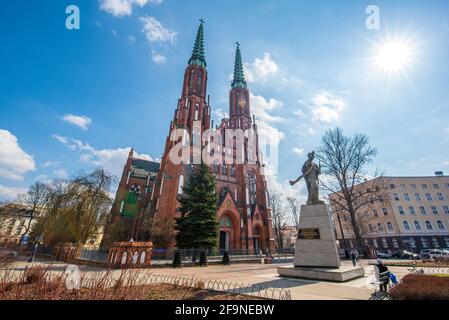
(385, 280)
(354, 257)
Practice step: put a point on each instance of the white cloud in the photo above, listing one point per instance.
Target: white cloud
(156, 32)
(298, 151)
(131, 38)
(14, 162)
(158, 58)
(48, 164)
(326, 107)
(80, 121)
(112, 160)
(61, 173)
(261, 107)
(120, 8)
(10, 193)
(220, 114)
(114, 32)
(260, 68)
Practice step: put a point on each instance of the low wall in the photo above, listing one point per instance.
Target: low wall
(126, 255)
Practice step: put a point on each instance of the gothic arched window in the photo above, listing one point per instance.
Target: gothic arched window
(252, 186)
(196, 112)
(191, 80)
(181, 184)
(199, 82)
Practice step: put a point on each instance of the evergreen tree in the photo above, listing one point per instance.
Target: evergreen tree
(197, 227)
(177, 263)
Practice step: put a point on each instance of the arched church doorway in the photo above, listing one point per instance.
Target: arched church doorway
(257, 242)
(226, 234)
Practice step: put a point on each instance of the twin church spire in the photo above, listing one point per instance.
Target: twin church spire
(198, 58)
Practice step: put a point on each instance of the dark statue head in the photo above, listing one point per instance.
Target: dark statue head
(311, 155)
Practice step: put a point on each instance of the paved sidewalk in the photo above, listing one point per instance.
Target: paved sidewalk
(266, 275)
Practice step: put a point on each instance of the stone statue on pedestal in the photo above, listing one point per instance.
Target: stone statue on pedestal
(310, 173)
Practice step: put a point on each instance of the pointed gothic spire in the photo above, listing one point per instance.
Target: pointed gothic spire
(198, 57)
(239, 76)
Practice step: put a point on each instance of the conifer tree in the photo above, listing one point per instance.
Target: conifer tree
(197, 227)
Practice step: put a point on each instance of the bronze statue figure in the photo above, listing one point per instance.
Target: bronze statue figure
(310, 173)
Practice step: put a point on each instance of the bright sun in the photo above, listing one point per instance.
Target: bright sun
(393, 56)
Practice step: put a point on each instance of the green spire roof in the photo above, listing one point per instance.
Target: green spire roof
(239, 76)
(198, 57)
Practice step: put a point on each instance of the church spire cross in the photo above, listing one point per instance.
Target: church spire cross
(198, 56)
(239, 76)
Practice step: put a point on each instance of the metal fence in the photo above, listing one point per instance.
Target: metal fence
(94, 255)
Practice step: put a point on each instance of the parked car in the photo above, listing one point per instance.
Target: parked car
(403, 254)
(383, 255)
(439, 254)
(425, 254)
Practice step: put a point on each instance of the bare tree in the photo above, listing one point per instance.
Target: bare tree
(294, 208)
(344, 160)
(279, 219)
(34, 200)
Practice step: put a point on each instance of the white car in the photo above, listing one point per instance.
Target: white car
(439, 254)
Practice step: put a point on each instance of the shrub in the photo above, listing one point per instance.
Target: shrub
(421, 287)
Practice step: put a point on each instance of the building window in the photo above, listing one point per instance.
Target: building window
(412, 210)
(371, 228)
(192, 76)
(375, 243)
(447, 185)
(434, 210)
(181, 184)
(440, 196)
(423, 210)
(440, 225)
(446, 209)
(197, 108)
(402, 186)
(379, 227)
(406, 225)
(447, 242)
(375, 213)
(390, 227)
(232, 170)
(424, 186)
(224, 168)
(418, 197)
(406, 197)
(424, 243)
(395, 243)
(436, 186)
(429, 225)
(435, 243)
(384, 243)
(429, 196)
(401, 210)
(417, 226)
(199, 83)
(413, 186)
(392, 186)
(396, 196)
(385, 211)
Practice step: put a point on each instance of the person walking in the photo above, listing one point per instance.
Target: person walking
(354, 256)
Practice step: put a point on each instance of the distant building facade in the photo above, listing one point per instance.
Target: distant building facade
(133, 196)
(407, 213)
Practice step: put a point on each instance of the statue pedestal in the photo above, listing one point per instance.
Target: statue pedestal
(316, 254)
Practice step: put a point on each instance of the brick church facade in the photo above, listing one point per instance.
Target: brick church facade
(243, 213)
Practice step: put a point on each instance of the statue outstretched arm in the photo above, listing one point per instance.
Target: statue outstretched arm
(296, 181)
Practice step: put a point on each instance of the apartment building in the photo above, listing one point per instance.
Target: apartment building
(400, 213)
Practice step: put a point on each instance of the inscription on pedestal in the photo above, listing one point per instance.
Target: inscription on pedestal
(309, 234)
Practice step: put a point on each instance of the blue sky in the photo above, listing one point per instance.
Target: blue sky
(72, 100)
